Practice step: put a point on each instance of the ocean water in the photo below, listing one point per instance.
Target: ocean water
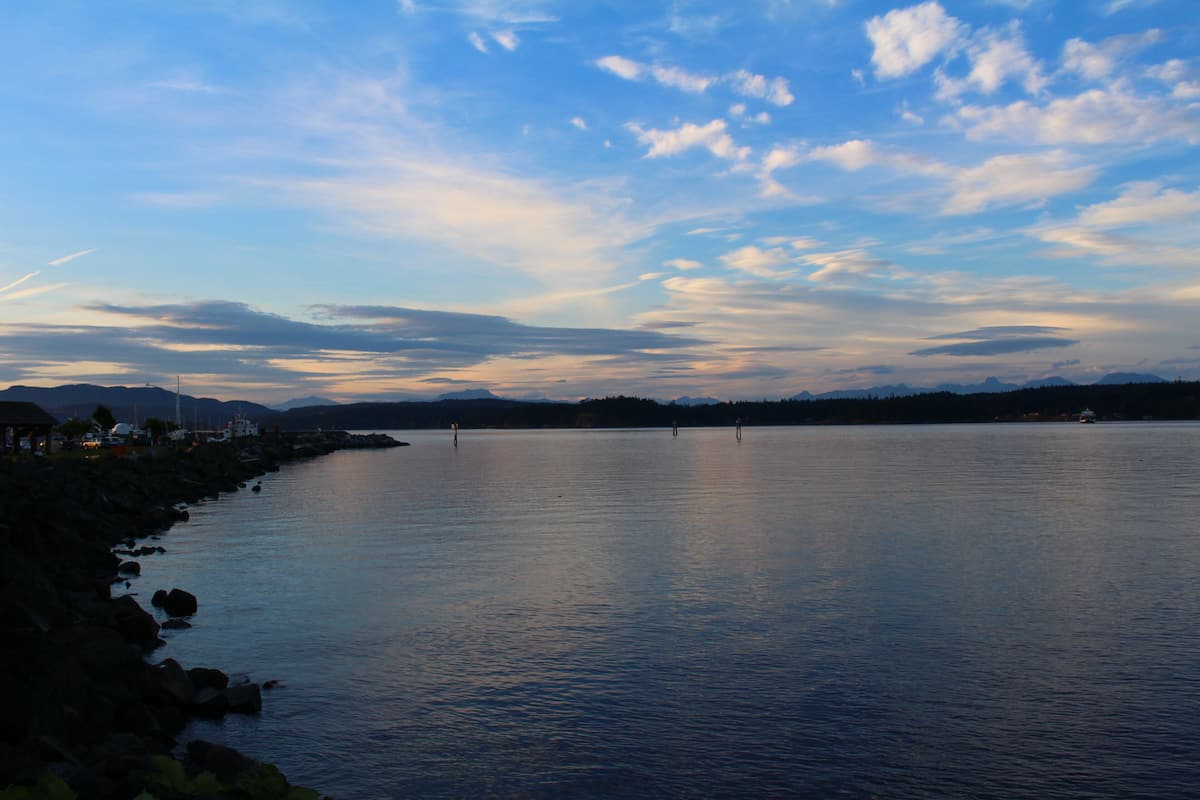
(985, 611)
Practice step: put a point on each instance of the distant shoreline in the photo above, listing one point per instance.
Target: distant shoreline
(1118, 402)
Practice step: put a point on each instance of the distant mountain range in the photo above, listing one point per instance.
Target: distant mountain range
(129, 404)
(304, 402)
(990, 385)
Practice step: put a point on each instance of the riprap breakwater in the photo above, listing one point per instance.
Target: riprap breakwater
(84, 701)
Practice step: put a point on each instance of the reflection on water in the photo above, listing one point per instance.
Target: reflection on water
(986, 611)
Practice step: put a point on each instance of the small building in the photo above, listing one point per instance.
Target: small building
(25, 421)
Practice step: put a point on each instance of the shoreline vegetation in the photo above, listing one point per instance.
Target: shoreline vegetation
(1178, 400)
(88, 709)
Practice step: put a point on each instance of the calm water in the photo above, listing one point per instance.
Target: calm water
(961, 611)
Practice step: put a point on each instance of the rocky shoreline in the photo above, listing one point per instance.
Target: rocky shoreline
(88, 711)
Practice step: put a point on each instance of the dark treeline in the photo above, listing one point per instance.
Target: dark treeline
(1164, 401)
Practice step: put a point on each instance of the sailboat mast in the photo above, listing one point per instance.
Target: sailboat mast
(178, 424)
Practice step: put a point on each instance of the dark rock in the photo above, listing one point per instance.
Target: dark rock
(176, 624)
(168, 684)
(180, 603)
(244, 698)
(159, 598)
(224, 762)
(134, 623)
(206, 678)
(268, 685)
(129, 568)
(210, 702)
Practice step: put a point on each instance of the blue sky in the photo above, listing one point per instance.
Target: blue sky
(564, 199)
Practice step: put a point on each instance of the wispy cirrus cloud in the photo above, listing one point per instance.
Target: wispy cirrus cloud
(69, 258)
(1004, 180)
(1147, 224)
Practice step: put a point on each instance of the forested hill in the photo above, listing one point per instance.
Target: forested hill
(1163, 401)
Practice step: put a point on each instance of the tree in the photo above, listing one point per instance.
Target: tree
(74, 428)
(156, 427)
(103, 417)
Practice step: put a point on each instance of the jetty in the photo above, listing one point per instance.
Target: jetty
(88, 709)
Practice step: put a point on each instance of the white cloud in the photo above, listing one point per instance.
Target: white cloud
(996, 57)
(1099, 116)
(773, 90)
(1000, 58)
(737, 110)
(712, 137)
(14, 284)
(1175, 73)
(621, 67)
(1142, 203)
(1015, 180)
(1097, 61)
(677, 78)
(495, 13)
(1000, 181)
(1169, 219)
(909, 116)
(561, 234)
(1169, 71)
(805, 243)
(1115, 6)
(579, 122)
(477, 42)
(683, 263)
(65, 259)
(671, 77)
(857, 154)
(185, 84)
(757, 261)
(847, 263)
(747, 84)
(909, 38)
(778, 157)
(506, 39)
(851, 156)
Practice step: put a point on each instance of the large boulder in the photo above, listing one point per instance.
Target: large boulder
(179, 603)
(245, 698)
(208, 678)
(168, 684)
(134, 622)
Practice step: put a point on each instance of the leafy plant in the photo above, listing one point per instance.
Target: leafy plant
(48, 787)
(171, 777)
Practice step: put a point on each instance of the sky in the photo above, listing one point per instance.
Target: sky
(390, 199)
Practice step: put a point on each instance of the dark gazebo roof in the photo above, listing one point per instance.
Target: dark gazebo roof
(24, 415)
